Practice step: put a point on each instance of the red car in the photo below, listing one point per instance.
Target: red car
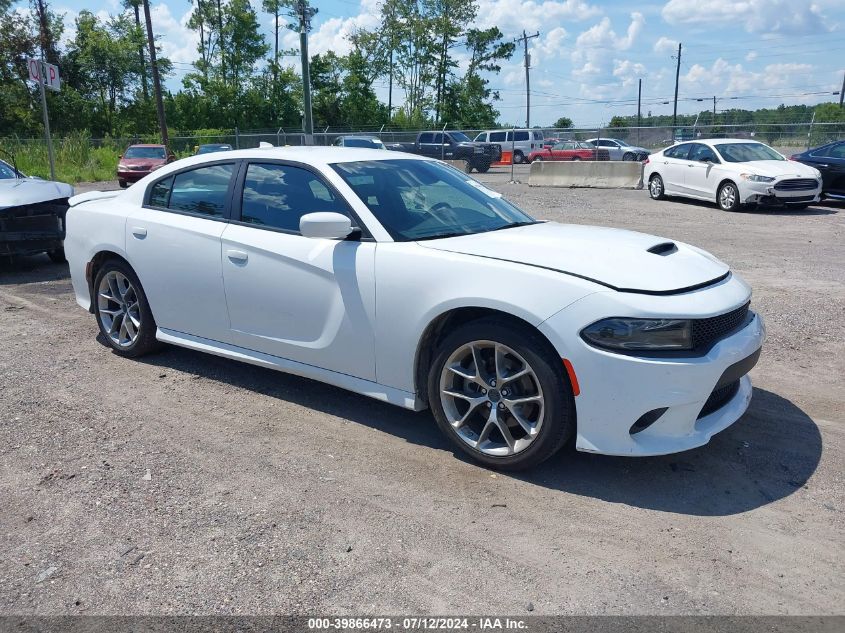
(569, 150)
(139, 160)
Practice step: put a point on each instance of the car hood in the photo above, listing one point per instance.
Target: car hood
(615, 258)
(778, 168)
(21, 191)
(142, 162)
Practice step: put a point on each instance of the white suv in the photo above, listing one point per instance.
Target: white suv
(522, 142)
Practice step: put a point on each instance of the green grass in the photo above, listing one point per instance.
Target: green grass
(75, 158)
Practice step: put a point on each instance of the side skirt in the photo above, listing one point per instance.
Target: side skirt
(375, 390)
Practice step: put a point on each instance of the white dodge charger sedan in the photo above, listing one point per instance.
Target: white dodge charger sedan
(731, 173)
(403, 279)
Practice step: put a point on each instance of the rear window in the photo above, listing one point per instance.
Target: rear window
(521, 136)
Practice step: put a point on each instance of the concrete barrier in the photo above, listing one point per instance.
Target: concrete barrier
(587, 173)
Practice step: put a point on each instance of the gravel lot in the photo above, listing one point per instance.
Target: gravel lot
(185, 483)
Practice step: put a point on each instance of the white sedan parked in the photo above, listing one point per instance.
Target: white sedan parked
(403, 279)
(731, 172)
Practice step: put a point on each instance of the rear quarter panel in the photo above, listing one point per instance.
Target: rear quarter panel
(92, 227)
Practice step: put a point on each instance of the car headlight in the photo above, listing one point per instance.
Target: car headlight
(121, 166)
(617, 333)
(756, 178)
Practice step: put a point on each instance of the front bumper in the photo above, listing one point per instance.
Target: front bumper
(618, 390)
(131, 175)
(765, 193)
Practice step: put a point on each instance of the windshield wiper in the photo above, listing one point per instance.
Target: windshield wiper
(514, 225)
(438, 236)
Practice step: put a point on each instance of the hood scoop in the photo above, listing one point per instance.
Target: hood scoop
(664, 248)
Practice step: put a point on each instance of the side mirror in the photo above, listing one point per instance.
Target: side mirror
(325, 224)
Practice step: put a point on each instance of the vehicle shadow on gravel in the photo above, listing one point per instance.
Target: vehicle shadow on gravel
(415, 427)
(771, 452)
(826, 207)
(31, 269)
(768, 454)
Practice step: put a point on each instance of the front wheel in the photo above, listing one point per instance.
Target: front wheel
(499, 393)
(628, 156)
(728, 197)
(655, 187)
(537, 159)
(122, 311)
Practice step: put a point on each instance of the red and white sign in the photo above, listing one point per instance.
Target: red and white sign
(50, 73)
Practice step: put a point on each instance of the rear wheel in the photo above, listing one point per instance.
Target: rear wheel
(728, 197)
(122, 183)
(500, 394)
(655, 187)
(122, 311)
(518, 157)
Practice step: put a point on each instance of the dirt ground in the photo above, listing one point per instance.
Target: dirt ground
(184, 483)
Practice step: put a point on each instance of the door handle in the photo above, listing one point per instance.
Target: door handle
(139, 231)
(822, 165)
(238, 257)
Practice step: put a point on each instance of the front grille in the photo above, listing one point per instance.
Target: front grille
(719, 398)
(797, 184)
(705, 332)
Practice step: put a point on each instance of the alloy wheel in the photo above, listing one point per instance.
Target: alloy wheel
(727, 197)
(492, 398)
(118, 309)
(655, 187)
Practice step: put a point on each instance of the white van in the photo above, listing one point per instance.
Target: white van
(523, 141)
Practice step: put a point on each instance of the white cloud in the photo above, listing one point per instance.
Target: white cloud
(513, 16)
(628, 71)
(757, 16)
(665, 45)
(732, 79)
(333, 34)
(593, 57)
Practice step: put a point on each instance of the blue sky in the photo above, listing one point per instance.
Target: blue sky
(590, 54)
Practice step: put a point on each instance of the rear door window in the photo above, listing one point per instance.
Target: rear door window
(202, 191)
(679, 152)
(521, 136)
(426, 137)
(497, 137)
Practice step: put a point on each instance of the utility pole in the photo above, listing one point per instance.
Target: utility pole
(714, 109)
(842, 92)
(524, 39)
(677, 77)
(639, 111)
(136, 6)
(162, 122)
(304, 13)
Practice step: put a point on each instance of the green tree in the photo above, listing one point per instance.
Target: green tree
(563, 122)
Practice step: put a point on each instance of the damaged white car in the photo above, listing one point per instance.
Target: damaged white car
(32, 214)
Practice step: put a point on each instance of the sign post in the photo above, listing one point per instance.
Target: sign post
(46, 75)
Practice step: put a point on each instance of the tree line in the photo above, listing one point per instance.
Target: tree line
(421, 50)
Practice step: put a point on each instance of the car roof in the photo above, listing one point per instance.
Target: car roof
(146, 145)
(720, 141)
(313, 155)
(216, 145)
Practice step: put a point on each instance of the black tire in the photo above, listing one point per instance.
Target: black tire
(797, 207)
(57, 255)
(518, 157)
(538, 159)
(726, 201)
(628, 156)
(558, 417)
(656, 189)
(576, 158)
(122, 183)
(468, 167)
(483, 168)
(145, 342)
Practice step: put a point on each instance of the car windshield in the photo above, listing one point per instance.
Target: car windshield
(363, 142)
(459, 136)
(747, 152)
(417, 200)
(144, 152)
(207, 149)
(6, 171)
